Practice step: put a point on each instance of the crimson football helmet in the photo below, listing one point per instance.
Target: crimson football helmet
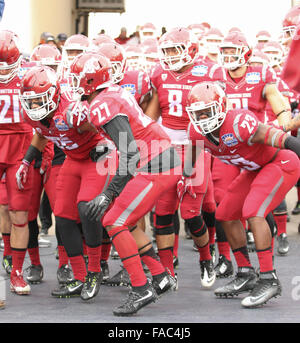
(134, 57)
(212, 40)
(275, 53)
(116, 54)
(147, 30)
(263, 36)
(290, 23)
(46, 54)
(206, 107)
(239, 53)
(74, 45)
(39, 92)
(258, 58)
(198, 30)
(10, 56)
(89, 71)
(183, 45)
(102, 38)
(151, 57)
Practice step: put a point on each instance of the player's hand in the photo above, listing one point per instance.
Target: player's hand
(184, 185)
(97, 207)
(22, 174)
(45, 169)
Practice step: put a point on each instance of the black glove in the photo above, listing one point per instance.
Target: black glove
(97, 207)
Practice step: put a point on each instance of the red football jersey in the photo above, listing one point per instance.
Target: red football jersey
(63, 131)
(173, 88)
(137, 83)
(249, 91)
(11, 120)
(235, 145)
(114, 101)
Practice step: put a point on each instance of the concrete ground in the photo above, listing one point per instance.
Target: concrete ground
(190, 304)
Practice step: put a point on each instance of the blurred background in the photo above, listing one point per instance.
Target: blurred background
(29, 18)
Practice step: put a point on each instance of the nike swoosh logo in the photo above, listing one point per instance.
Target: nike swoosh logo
(233, 151)
(239, 286)
(284, 162)
(148, 295)
(249, 89)
(71, 289)
(192, 81)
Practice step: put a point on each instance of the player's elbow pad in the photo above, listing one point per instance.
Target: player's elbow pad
(292, 143)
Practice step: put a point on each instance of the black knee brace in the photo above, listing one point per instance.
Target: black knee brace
(164, 225)
(92, 230)
(196, 226)
(70, 235)
(33, 234)
(209, 218)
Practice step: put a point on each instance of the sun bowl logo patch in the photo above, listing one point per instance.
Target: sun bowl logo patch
(229, 139)
(60, 124)
(200, 70)
(253, 78)
(129, 87)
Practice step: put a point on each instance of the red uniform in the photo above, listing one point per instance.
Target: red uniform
(140, 193)
(137, 83)
(247, 93)
(267, 174)
(15, 138)
(79, 178)
(172, 89)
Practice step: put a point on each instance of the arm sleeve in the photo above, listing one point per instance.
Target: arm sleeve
(121, 134)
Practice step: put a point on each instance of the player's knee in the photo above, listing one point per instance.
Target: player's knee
(196, 226)
(209, 218)
(164, 225)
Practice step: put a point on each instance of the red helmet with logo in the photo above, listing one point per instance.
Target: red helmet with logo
(90, 71)
(242, 52)
(206, 106)
(184, 45)
(40, 87)
(10, 56)
(79, 43)
(116, 54)
(46, 54)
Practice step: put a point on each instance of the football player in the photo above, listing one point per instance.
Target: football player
(270, 168)
(148, 166)
(84, 173)
(172, 80)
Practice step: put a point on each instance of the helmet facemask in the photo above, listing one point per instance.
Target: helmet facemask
(10, 70)
(174, 61)
(206, 118)
(117, 71)
(235, 60)
(39, 105)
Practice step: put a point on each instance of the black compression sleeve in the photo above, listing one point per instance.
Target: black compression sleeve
(31, 154)
(121, 134)
(292, 143)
